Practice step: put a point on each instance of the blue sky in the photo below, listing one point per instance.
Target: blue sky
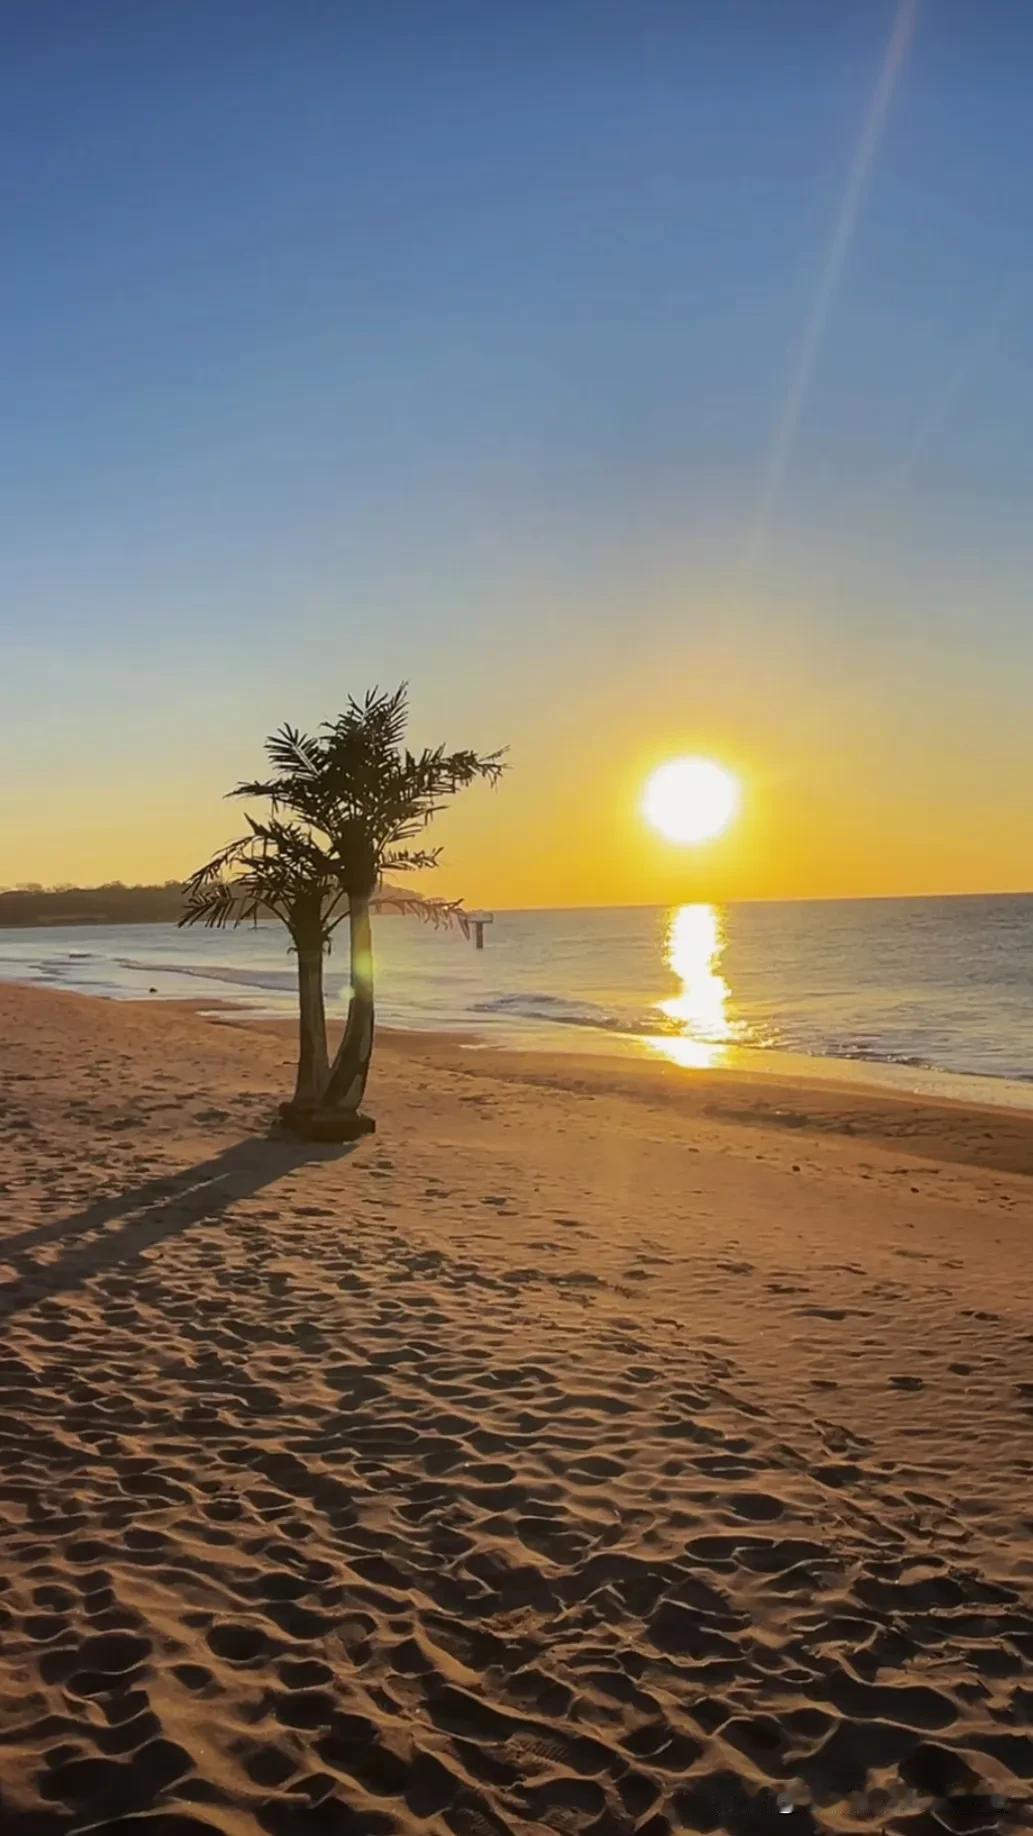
(348, 341)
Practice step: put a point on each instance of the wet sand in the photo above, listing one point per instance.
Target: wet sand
(599, 1448)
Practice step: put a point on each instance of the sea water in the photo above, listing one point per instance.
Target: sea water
(902, 990)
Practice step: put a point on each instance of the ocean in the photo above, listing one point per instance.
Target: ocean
(923, 994)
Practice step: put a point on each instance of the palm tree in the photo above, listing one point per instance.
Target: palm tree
(345, 805)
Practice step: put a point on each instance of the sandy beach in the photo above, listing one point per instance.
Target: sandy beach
(599, 1448)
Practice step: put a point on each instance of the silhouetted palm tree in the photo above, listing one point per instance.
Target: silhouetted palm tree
(345, 804)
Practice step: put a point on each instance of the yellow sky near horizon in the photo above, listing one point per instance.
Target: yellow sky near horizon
(872, 762)
(568, 829)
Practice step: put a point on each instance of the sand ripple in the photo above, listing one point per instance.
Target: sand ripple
(329, 1505)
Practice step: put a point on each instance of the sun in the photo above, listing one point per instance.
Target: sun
(691, 800)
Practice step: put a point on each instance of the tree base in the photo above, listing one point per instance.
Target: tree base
(335, 1125)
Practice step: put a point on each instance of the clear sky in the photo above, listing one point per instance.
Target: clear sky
(636, 379)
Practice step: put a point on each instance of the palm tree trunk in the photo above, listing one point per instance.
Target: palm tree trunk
(346, 1086)
(313, 1058)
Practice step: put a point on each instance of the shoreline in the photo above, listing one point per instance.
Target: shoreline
(997, 1137)
(994, 1136)
(887, 1081)
(858, 1042)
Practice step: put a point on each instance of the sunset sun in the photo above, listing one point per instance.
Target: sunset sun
(691, 800)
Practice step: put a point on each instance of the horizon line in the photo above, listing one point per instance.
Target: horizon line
(631, 905)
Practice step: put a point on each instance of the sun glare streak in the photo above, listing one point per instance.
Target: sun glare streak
(693, 947)
(1005, 308)
(832, 270)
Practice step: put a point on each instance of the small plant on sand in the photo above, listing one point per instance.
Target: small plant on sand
(345, 805)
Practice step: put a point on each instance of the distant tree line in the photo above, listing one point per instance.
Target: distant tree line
(110, 904)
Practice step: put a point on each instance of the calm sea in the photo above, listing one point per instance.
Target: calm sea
(905, 991)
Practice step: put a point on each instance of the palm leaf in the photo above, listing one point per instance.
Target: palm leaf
(345, 803)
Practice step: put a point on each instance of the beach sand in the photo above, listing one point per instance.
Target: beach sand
(599, 1448)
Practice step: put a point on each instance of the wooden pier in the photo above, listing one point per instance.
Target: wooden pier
(478, 920)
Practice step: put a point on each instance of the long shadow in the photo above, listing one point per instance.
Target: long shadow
(166, 1188)
(153, 1211)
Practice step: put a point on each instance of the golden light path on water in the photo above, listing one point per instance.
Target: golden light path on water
(693, 947)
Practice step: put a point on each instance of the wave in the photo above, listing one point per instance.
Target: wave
(554, 1008)
(869, 1051)
(215, 972)
(274, 981)
(558, 1010)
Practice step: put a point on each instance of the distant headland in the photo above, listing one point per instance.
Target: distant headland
(110, 904)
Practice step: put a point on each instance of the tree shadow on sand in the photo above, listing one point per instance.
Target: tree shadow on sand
(150, 1213)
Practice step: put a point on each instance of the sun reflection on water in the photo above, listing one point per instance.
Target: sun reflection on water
(693, 947)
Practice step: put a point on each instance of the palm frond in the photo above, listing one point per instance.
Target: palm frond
(345, 804)
(410, 860)
(278, 868)
(443, 914)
